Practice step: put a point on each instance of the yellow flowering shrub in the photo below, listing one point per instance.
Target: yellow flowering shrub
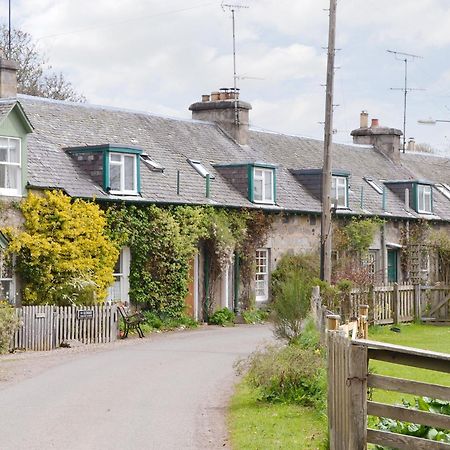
(64, 255)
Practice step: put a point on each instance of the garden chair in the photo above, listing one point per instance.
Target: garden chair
(131, 322)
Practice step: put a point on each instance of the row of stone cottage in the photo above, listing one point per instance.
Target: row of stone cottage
(217, 159)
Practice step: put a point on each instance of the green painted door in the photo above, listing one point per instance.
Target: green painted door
(392, 265)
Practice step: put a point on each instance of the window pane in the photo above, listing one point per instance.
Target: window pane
(114, 174)
(258, 173)
(12, 178)
(129, 173)
(14, 151)
(2, 176)
(3, 153)
(258, 190)
(116, 157)
(268, 186)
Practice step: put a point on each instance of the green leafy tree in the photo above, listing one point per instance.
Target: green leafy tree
(64, 255)
(34, 76)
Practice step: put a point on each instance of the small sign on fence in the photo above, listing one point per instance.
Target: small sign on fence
(40, 315)
(85, 314)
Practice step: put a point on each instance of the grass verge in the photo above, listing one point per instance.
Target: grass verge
(259, 425)
(427, 337)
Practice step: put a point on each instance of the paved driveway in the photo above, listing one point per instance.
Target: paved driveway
(166, 392)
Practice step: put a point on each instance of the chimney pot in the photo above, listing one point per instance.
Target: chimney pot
(215, 96)
(411, 144)
(205, 98)
(375, 123)
(364, 119)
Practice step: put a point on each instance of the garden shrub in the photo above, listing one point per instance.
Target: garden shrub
(222, 317)
(412, 429)
(255, 315)
(64, 255)
(292, 284)
(289, 374)
(8, 325)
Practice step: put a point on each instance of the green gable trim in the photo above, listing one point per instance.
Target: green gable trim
(22, 117)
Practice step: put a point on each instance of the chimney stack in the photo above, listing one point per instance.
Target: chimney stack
(385, 140)
(411, 145)
(225, 108)
(8, 78)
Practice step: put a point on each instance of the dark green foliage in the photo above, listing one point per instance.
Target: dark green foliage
(155, 322)
(290, 374)
(222, 317)
(291, 265)
(412, 429)
(162, 244)
(292, 283)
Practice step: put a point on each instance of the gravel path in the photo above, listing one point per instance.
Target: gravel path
(168, 391)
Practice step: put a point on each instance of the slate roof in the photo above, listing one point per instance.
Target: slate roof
(170, 142)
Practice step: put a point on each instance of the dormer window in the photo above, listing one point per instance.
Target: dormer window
(424, 198)
(263, 185)
(123, 173)
(10, 166)
(339, 191)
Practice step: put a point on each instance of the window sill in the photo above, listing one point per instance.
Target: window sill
(263, 202)
(124, 193)
(10, 193)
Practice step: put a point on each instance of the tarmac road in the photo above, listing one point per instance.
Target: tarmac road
(169, 391)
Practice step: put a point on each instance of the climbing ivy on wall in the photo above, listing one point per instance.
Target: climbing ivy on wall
(162, 243)
(63, 253)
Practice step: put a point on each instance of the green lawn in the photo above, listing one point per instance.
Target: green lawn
(428, 337)
(256, 425)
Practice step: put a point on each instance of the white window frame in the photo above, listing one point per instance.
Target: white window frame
(267, 197)
(121, 163)
(17, 192)
(261, 275)
(11, 280)
(423, 191)
(337, 183)
(121, 277)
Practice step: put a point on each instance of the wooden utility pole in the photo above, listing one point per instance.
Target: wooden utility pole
(325, 239)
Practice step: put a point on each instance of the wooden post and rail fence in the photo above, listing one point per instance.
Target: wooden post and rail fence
(397, 303)
(349, 354)
(47, 327)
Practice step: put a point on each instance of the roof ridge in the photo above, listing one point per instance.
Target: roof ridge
(87, 105)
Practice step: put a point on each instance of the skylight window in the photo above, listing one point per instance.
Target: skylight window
(152, 165)
(200, 168)
(444, 189)
(373, 185)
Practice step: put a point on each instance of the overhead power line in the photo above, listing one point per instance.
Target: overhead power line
(133, 19)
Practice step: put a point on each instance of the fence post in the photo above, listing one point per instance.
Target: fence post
(417, 304)
(396, 304)
(357, 383)
(363, 313)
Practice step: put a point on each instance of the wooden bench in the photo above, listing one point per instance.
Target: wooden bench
(131, 322)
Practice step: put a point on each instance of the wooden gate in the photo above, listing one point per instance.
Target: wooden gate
(348, 381)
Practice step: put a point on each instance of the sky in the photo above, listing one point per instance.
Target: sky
(161, 56)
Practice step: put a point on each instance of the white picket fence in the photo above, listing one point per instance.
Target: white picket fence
(46, 327)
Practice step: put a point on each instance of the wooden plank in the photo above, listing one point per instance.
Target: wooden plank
(357, 404)
(403, 442)
(409, 387)
(408, 415)
(439, 305)
(421, 361)
(402, 349)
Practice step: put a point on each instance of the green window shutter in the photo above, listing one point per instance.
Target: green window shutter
(105, 169)
(251, 190)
